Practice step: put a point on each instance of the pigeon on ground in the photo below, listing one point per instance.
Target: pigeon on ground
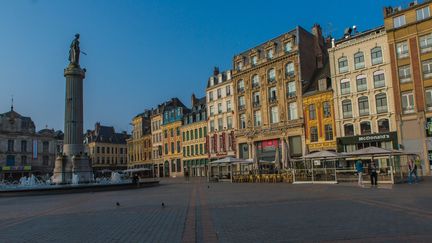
(118, 204)
(208, 186)
(163, 204)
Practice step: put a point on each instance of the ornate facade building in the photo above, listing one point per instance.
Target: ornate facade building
(268, 82)
(107, 150)
(140, 143)
(157, 140)
(23, 151)
(172, 120)
(222, 119)
(318, 110)
(363, 91)
(409, 34)
(194, 133)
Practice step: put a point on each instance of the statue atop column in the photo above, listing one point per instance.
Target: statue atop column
(74, 51)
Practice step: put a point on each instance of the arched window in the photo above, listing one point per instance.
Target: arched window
(347, 108)
(349, 130)
(345, 86)
(361, 83)
(271, 74)
(381, 102)
(376, 55)
(383, 125)
(359, 60)
(255, 81)
(343, 64)
(365, 127)
(363, 104)
(289, 69)
(379, 79)
(240, 86)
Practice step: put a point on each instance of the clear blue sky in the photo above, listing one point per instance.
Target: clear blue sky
(141, 53)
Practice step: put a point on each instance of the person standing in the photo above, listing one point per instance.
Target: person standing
(412, 170)
(373, 174)
(359, 169)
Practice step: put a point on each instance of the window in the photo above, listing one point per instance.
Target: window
(45, 147)
(23, 160)
(346, 108)
(376, 55)
(292, 111)
(228, 90)
(291, 87)
(271, 75)
(255, 81)
(178, 131)
(228, 105)
(210, 95)
(427, 69)
(314, 134)
(345, 86)
(229, 122)
(381, 102)
(220, 124)
(312, 112)
(172, 147)
(257, 118)
(23, 146)
(243, 121)
(211, 108)
(219, 108)
(289, 69)
(270, 54)
(383, 125)
(363, 104)
(165, 133)
(272, 94)
(212, 126)
(328, 130)
(429, 99)
(379, 80)
(201, 148)
(408, 102)
(361, 83)
(426, 43)
(166, 148)
(399, 21)
(239, 65)
(288, 46)
(365, 127)
(254, 60)
(192, 134)
(349, 129)
(402, 50)
(200, 132)
(274, 114)
(219, 93)
(240, 86)
(45, 160)
(178, 147)
(188, 150)
(359, 60)
(326, 109)
(187, 135)
(343, 65)
(423, 13)
(256, 99)
(242, 103)
(172, 132)
(405, 74)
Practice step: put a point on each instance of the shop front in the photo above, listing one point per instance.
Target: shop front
(196, 167)
(14, 173)
(387, 140)
(429, 139)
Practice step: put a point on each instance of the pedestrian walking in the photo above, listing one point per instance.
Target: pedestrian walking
(373, 174)
(412, 171)
(359, 169)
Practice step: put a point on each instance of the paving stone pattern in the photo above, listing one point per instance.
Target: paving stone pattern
(198, 211)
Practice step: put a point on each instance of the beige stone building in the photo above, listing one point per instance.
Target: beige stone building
(107, 150)
(363, 93)
(222, 119)
(409, 32)
(157, 140)
(140, 143)
(23, 151)
(268, 82)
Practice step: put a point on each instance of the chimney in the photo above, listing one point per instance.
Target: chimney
(194, 100)
(215, 71)
(97, 127)
(319, 45)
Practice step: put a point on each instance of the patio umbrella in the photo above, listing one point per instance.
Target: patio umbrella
(277, 158)
(323, 155)
(371, 151)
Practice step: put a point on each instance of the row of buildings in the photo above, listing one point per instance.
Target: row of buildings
(299, 93)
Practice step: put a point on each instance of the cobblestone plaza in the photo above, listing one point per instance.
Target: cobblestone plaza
(224, 212)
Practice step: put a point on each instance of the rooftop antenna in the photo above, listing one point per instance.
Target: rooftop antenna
(11, 102)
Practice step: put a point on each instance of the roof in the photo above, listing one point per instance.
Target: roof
(312, 87)
(106, 134)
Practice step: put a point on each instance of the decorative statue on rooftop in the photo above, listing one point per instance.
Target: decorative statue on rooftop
(74, 51)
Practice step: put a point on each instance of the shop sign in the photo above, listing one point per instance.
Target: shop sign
(378, 137)
(16, 168)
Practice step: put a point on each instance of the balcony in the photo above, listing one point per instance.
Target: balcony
(291, 94)
(255, 85)
(271, 80)
(241, 107)
(272, 100)
(289, 75)
(256, 104)
(240, 90)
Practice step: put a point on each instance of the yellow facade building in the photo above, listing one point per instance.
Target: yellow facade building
(140, 144)
(157, 140)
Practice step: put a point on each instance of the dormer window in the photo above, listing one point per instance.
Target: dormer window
(239, 66)
(288, 46)
(270, 54)
(254, 60)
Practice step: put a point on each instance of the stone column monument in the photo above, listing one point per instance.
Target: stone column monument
(73, 166)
